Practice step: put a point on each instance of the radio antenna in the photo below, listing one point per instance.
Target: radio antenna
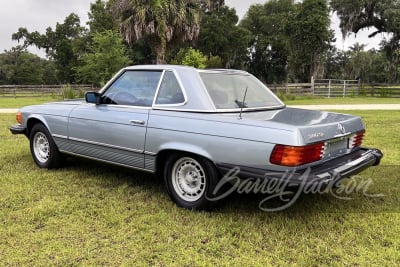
(243, 103)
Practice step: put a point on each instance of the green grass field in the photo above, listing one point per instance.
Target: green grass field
(9, 102)
(341, 101)
(88, 214)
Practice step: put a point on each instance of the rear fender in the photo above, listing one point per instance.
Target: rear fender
(184, 147)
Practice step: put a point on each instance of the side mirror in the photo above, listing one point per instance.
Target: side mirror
(92, 97)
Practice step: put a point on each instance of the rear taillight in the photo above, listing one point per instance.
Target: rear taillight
(356, 139)
(296, 155)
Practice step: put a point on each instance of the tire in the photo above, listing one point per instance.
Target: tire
(43, 149)
(190, 180)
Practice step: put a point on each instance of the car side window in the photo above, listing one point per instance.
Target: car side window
(170, 92)
(133, 88)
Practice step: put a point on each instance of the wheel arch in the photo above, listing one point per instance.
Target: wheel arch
(164, 153)
(31, 121)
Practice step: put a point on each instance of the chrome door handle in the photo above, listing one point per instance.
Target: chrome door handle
(137, 122)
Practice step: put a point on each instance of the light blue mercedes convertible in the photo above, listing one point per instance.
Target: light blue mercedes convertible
(193, 127)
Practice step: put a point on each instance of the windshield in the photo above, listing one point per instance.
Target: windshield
(228, 89)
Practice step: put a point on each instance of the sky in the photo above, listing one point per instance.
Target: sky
(37, 15)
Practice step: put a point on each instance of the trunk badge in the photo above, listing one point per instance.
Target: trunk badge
(316, 136)
(341, 128)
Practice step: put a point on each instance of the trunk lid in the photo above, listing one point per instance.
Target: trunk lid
(313, 125)
(337, 131)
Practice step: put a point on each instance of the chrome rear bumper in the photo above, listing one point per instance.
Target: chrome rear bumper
(333, 170)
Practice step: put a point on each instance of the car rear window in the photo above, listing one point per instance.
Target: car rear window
(228, 89)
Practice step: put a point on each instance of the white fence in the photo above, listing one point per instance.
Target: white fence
(40, 90)
(336, 88)
(321, 87)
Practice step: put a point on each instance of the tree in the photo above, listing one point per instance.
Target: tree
(336, 64)
(105, 57)
(368, 66)
(161, 22)
(190, 57)
(381, 15)
(63, 44)
(391, 48)
(269, 44)
(18, 66)
(100, 17)
(221, 36)
(356, 63)
(377, 71)
(310, 39)
(210, 5)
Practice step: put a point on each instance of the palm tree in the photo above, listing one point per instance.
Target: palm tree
(160, 21)
(357, 48)
(210, 5)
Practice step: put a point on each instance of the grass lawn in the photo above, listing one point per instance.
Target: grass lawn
(303, 100)
(9, 102)
(87, 214)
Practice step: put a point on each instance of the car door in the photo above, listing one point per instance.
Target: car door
(115, 130)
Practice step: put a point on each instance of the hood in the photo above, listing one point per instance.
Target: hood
(60, 108)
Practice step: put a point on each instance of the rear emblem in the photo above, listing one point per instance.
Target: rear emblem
(316, 136)
(341, 128)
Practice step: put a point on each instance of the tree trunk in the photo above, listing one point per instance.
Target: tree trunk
(160, 51)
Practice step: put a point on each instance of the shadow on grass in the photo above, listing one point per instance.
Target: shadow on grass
(113, 175)
(382, 195)
(375, 190)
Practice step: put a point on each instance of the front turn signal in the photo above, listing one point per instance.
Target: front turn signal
(18, 117)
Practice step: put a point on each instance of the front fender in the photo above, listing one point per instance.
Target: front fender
(31, 119)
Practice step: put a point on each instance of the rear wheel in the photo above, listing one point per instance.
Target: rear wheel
(43, 149)
(190, 180)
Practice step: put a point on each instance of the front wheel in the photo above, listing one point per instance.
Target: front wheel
(189, 180)
(43, 149)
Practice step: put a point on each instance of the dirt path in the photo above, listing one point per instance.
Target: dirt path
(8, 110)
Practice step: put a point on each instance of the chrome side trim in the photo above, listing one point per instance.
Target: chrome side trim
(220, 110)
(106, 145)
(123, 106)
(150, 153)
(60, 136)
(225, 71)
(106, 161)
